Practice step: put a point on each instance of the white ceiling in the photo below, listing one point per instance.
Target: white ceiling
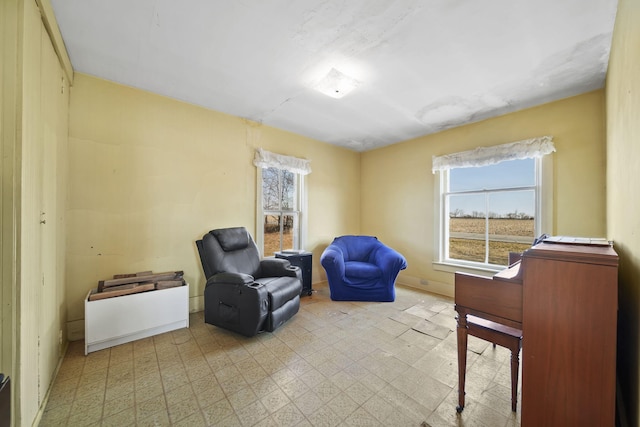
(423, 65)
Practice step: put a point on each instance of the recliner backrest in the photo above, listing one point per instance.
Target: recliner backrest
(230, 250)
(357, 248)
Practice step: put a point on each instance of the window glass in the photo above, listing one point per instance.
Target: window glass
(489, 211)
(281, 210)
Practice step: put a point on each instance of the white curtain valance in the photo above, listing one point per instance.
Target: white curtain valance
(266, 159)
(483, 156)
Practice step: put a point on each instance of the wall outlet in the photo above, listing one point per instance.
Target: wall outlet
(60, 337)
(424, 282)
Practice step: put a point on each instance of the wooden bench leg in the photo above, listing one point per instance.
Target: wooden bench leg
(515, 366)
(462, 359)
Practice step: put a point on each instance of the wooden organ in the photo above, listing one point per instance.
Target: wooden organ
(562, 298)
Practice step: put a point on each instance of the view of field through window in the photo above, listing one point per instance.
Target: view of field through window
(280, 208)
(491, 211)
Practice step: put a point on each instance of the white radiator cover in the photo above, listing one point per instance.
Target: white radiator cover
(112, 321)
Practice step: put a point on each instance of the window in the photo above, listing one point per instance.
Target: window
(280, 210)
(281, 202)
(490, 203)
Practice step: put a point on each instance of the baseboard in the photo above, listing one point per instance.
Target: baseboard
(431, 286)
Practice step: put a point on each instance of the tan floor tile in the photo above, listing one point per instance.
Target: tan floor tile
(158, 419)
(144, 381)
(334, 363)
(283, 376)
(295, 388)
(56, 414)
(179, 394)
(264, 386)
(275, 400)
(308, 403)
(210, 396)
(242, 398)
(194, 420)
(118, 404)
(253, 375)
(149, 407)
(230, 421)
(217, 412)
(288, 416)
(233, 384)
(252, 413)
(360, 417)
(326, 391)
(342, 405)
(86, 417)
(96, 361)
(359, 393)
(183, 409)
(123, 418)
(116, 390)
(380, 408)
(204, 383)
(152, 391)
(313, 377)
(324, 417)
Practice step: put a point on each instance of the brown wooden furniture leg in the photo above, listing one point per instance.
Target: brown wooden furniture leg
(515, 365)
(462, 359)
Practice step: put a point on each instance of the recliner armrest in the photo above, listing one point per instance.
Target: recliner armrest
(231, 278)
(278, 267)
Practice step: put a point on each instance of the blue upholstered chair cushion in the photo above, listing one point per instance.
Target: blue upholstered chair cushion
(361, 268)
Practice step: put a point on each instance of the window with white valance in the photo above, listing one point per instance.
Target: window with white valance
(281, 201)
(484, 156)
(491, 201)
(266, 159)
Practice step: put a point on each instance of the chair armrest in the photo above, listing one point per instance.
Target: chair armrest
(231, 278)
(278, 267)
(332, 260)
(389, 260)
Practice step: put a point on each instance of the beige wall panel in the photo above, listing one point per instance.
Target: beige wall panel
(623, 201)
(9, 158)
(398, 186)
(30, 305)
(149, 175)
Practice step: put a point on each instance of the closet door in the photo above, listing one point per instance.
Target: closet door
(54, 119)
(31, 272)
(41, 288)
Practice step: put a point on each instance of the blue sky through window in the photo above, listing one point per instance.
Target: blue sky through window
(509, 174)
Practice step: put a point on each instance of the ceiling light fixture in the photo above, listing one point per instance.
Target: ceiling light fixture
(336, 84)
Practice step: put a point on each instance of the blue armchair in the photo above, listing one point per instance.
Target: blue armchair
(361, 268)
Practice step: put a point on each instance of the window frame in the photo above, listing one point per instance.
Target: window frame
(300, 211)
(543, 217)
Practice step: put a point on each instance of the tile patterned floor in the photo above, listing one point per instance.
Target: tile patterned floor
(333, 364)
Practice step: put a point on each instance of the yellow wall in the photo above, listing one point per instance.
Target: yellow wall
(623, 201)
(398, 186)
(149, 175)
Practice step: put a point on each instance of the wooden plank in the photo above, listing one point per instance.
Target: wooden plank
(169, 275)
(141, 273)
(128, 289)
(166, 284)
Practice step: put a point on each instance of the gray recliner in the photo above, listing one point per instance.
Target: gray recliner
(244, 293)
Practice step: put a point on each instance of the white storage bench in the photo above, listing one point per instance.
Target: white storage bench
(112, 321)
